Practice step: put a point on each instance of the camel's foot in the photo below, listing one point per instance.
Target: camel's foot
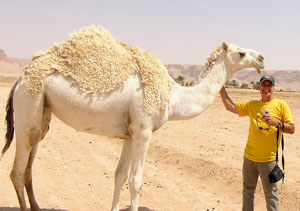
(35, 208)
(115, 209)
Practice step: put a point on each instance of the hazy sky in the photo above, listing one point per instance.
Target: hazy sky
(178, 32)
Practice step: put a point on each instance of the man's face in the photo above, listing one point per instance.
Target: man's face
(266, 89)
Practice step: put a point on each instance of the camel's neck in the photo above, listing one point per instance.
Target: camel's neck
(188, 102)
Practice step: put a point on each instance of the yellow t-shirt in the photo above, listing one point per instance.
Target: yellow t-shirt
(261, 145)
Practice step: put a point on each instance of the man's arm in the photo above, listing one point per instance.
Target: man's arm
(229, 105)
(287, 128)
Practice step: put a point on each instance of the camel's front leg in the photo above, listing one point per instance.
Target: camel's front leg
(140, 143)
(121, 173)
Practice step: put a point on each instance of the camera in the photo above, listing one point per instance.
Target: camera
(267, 112)
(276, 174)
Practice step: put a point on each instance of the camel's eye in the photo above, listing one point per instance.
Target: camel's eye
(242, 54)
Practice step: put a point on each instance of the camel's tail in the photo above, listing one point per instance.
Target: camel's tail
(9, 119)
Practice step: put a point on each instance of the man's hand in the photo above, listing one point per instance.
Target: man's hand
(270, 120)
(288, 128)
(229, 104)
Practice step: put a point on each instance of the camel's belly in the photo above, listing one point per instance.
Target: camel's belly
(104, 114)
(113, 124)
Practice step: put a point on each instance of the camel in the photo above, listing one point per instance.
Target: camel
(117, 113)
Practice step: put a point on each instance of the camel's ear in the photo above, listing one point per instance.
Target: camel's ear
(225, 46)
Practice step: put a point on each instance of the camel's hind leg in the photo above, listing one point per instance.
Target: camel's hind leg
(28, 180)
(28, 112)
(121, 173)
(17, 174)
(21, 175)
(28, 174)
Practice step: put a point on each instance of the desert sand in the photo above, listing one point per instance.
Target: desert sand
(191, 165)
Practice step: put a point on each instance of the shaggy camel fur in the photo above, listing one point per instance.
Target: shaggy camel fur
(117, 113)
(98, 63)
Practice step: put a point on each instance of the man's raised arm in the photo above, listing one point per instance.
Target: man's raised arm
(229, 105)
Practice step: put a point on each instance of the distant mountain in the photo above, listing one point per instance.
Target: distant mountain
(189, 72)
(285, 79)
(10, 65)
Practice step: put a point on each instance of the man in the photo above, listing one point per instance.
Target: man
(266, 116)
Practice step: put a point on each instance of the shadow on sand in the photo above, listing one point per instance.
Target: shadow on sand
(18, 209)
(140, 209)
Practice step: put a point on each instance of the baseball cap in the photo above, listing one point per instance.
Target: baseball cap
(267, 78)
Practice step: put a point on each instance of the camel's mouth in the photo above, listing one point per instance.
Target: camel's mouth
(258, 67)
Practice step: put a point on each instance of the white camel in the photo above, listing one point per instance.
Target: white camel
(114, 114)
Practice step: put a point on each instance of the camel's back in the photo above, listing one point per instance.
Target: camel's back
(91, 57)
(98, 63)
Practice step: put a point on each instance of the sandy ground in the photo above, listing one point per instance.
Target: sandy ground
(191, 165)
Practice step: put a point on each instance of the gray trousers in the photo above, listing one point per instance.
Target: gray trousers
(251, 171)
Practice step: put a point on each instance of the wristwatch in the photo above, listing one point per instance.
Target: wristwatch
(279, 125)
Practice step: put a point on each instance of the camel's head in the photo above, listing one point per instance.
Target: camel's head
(241, 58)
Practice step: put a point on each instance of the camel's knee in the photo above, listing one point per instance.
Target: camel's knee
(12, 175)
(121, 175)
(18, 179)
(136, 184)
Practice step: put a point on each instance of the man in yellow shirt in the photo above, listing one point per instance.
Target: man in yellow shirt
(266, 115)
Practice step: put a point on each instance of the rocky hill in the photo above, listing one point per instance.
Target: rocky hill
(189, 72)
(285, 79)
(11, 66)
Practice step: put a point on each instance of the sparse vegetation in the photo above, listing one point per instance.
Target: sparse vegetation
(232, 83)
(244, 86)
(179, 79)
(256, 85)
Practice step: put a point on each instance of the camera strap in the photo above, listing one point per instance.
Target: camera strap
(282, 147)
